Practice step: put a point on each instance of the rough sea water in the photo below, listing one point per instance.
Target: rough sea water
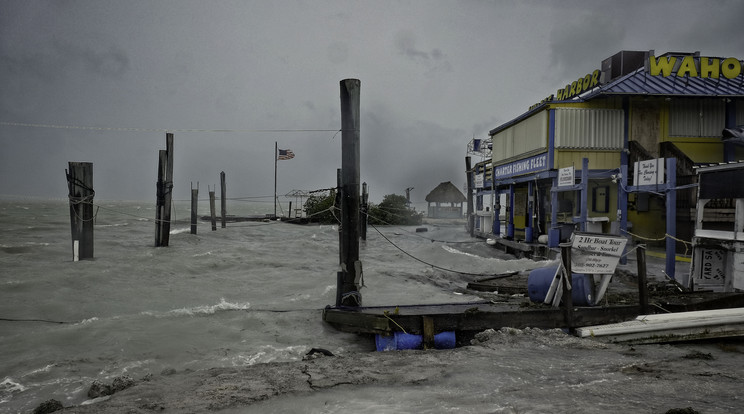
(223, 320)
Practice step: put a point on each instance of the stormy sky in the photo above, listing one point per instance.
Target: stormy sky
(102, 80)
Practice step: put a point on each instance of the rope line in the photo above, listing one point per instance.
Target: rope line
(138, 129)
(419, 235)
(666, 235)
(425, 262)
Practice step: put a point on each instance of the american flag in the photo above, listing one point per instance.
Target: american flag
(285, 154)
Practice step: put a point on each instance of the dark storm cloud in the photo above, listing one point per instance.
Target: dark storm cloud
(434, 59)
(108, 60)
(581, 44)
(719, 25)
(434, 73)
(423, 154)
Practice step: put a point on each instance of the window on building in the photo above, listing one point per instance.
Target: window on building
(696, 117)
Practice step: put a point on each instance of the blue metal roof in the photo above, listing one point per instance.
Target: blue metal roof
(641, 83)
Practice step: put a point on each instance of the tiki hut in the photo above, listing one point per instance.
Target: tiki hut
(445, 193)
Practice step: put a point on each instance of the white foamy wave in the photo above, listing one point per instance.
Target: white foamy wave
(10, 386)
(455, 251)
(112, 225)
(87, 321)
(26, 244)
(269, 353)
(181, 230)
(39, 370)
(201, 310)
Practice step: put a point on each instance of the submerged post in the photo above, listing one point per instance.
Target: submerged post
(642, 287)
(223, 200)
(351, 267)
(471, 218)
(164, 193)
(211, 209)
(567, 298)
(364, 217)
(80, 185)
(194, 206)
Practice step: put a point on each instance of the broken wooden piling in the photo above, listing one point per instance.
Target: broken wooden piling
(80, 185)
(351, 266)
(164, 193)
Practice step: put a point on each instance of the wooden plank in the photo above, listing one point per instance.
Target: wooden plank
(468, 317)
(524, 247)
(357, 322)
(428, 335)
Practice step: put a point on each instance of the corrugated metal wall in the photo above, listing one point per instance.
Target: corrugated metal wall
(696, 117)
(589, 128)
(528, 135)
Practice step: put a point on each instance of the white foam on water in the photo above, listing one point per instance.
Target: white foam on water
(269, 353)
(223, 305)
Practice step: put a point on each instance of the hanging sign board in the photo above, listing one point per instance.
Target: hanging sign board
(479, 180)
(566, 176)
(649, 172)
(596, 253)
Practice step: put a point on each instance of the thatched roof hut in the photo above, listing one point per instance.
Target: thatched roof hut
(445, 192)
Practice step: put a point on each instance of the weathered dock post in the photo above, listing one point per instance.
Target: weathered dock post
(164, 193)
(80, 185)
(194, 206)
(365, 209)
(351, 266)
(211, 209)
(223, 199)
(567, 298)
(337, 207)
(471, 217)
(642, 287)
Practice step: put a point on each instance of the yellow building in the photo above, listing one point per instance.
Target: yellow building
(596, 155)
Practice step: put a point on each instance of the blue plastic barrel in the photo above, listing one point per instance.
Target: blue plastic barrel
(539, 280)
(401, 341)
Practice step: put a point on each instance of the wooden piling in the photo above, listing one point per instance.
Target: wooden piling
(642, 286)
(80, 186)
(567, 298)
(211, 210)
(194, 206)
(160, 198)
(351, 267)
(427, 323)
(223, 199)
(164, 193)
(364, 210)
(337, 206)
(471, 217)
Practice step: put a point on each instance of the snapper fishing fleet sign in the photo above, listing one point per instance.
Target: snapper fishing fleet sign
(525, 166)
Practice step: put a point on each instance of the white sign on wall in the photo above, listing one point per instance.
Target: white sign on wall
(596, 253)
(566, 176)
(649, 172)
(478, 180)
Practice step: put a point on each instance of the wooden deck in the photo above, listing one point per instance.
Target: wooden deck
(471, 316)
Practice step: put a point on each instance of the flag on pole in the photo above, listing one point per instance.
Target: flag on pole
(285, 154)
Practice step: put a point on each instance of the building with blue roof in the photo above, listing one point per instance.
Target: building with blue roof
(613, 152)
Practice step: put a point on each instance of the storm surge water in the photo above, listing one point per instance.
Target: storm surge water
(252, 294)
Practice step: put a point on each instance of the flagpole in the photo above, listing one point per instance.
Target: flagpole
(276, 155)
